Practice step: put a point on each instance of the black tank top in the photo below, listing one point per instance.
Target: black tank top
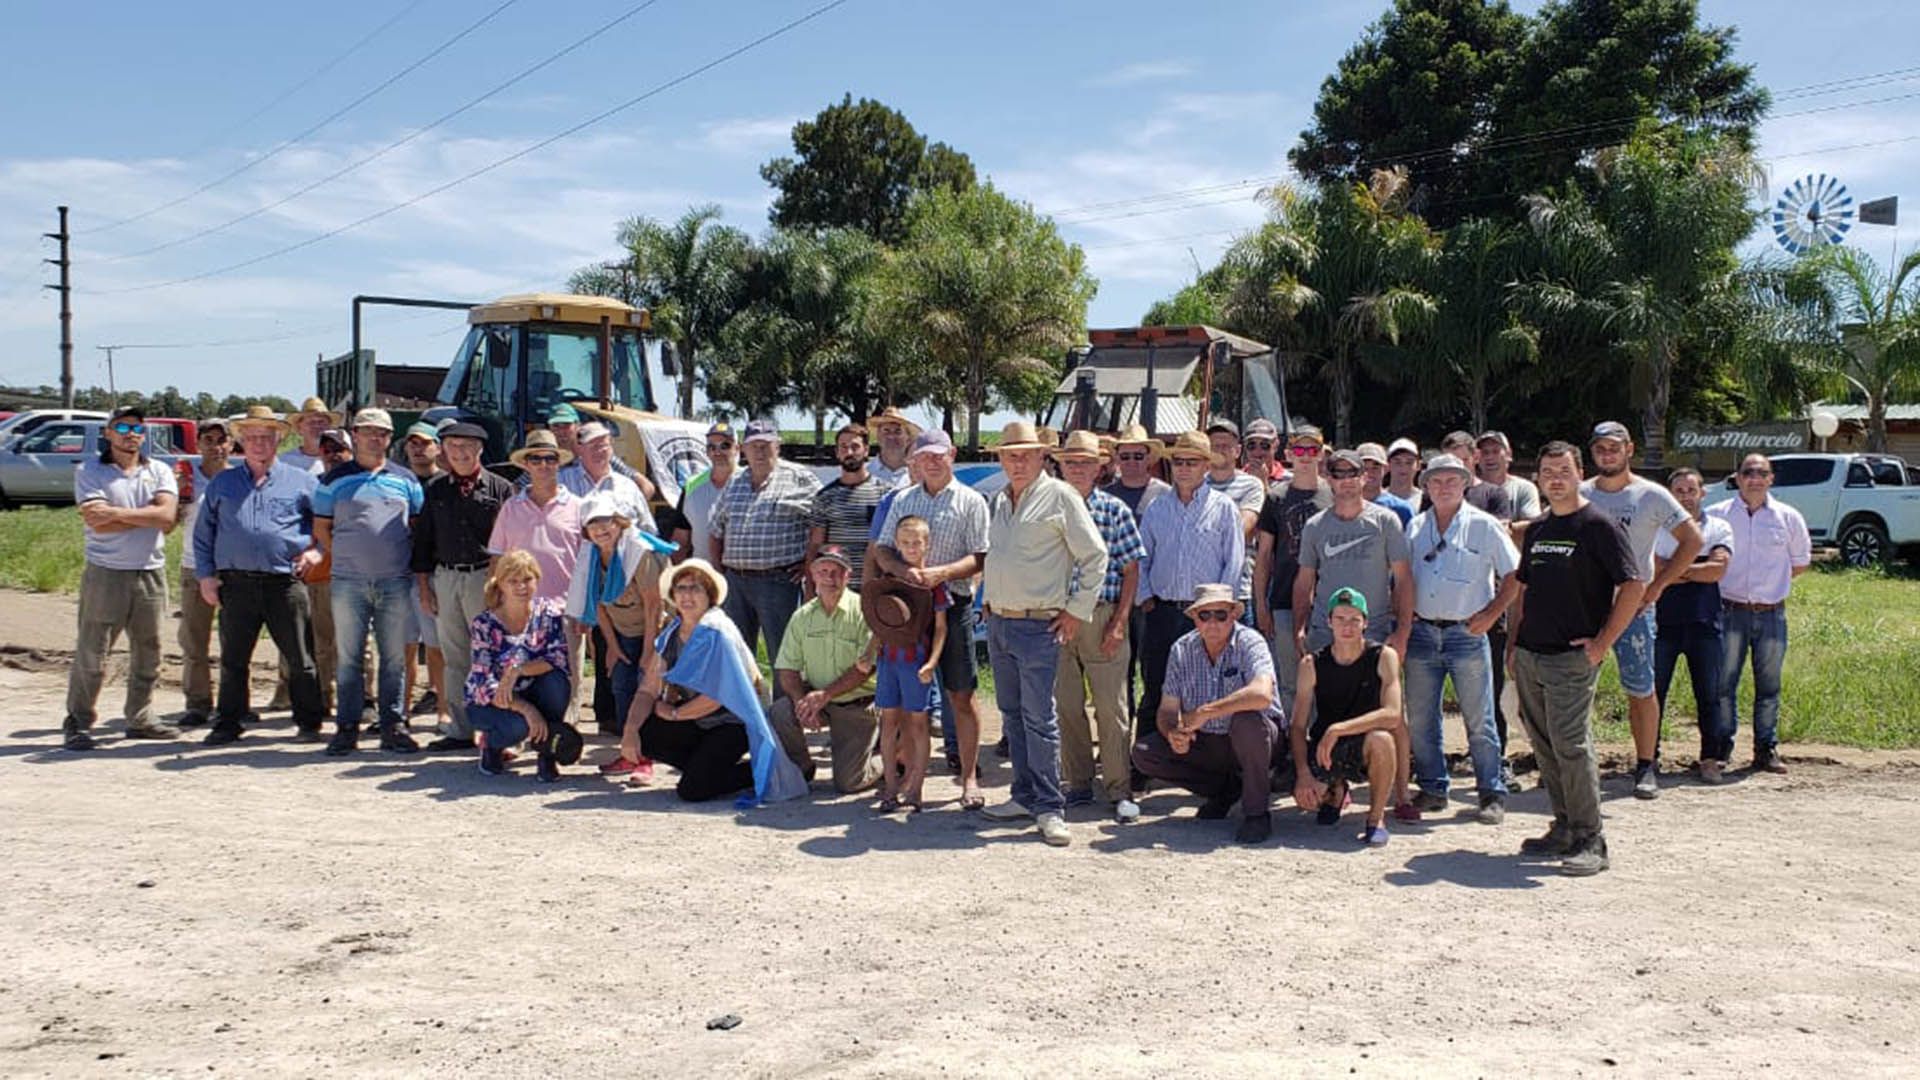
(1343, 691)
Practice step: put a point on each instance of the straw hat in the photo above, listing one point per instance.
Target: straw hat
(313, 406)
(1136, 435)
(702, 567)
(540, 439)
(1191, 443)
(1019, 435)
(892, 415)
(1080, 444)
(261, 416)
(1211, 596)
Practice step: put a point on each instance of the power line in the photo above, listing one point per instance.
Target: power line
(330, 118)
(392, 146)
(497, 163)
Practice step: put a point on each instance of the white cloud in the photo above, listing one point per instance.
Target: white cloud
(745, 134)
(1144, 71)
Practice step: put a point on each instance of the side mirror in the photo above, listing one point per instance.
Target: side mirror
(669, 360)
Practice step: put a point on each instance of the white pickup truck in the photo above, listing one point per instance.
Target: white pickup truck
(1866, 505)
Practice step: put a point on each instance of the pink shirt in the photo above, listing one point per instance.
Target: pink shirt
(550, 533)
(1767, 544)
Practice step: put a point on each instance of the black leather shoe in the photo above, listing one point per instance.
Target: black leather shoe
(345, 741)
(1255, 829)
(394, 739)
(224, 732)
(1217, 807)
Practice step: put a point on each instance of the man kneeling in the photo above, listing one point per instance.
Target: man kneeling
(1351, 689)
(1219, 717)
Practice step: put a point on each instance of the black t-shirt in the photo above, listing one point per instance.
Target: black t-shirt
(1570, 564)
(1343, 691)
(1283, 516)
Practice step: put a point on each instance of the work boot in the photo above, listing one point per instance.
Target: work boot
(74, 737)
(345, 740)
(224, 731)
(1556, 841)
(395, 739)
(1587, 858)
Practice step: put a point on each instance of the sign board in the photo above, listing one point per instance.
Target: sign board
(1722, 446)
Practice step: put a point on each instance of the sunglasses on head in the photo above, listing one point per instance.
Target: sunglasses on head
(543, 459)
(1214, 615)
(126, 428)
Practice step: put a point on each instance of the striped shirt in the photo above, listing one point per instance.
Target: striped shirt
(1117, 528)
(956, 518)
(624, 491)
(764, 528)
(1194, 678)
(847, 512)
(1190, 544)
(371, 511)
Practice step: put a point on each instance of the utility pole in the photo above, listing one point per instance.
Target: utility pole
(66, 310)
(113, 395)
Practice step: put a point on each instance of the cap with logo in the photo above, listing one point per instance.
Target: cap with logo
(563, 414)
(834, 553)
(591, 431)
(1262, 429)
(761, 431)
(1221, 423)
(420, 429)
(1348, 457)
(1494, 436)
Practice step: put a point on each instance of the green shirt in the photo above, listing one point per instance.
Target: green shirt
(822, 644)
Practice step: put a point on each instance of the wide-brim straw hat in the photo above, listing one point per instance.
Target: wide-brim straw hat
(260, 416)
(1020, 435)
(1136, 435)
(313, 406)
(699, 566)
(541, 439)
(1080, 444)
(1193, 442)
(892, 415)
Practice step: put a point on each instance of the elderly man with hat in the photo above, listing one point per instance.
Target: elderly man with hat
(593, 471)
(450, 558)
(823, 667)
(1463, 581)
(1045, 568)
(1481, 495)
(1192, 537)
(1093, 663)
(196, 615)
(759, 537)
(1219, 719)
(567, 425)
(128, 504)
(893, 436)
(253, 540)
(1136, 458)
(362, 517)
(313, 420)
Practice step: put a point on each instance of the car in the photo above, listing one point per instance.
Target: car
(1864, 505)
(24, 423)
(38, 466)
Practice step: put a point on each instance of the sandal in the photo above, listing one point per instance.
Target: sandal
(973, 802)
(888, 804)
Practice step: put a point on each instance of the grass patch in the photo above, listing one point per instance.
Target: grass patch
(41, 550)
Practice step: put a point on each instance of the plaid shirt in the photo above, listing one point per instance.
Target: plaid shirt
(765, 528)
(1195, 679)
(1191, 544)
(1124, 548)
(956, 521)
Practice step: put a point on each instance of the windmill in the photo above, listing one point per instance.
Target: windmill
(1813, 212)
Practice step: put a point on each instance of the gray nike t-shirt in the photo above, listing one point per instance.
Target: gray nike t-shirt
(1644, 509)
(1357, 554)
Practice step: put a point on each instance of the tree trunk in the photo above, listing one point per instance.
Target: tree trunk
(688, 354)
(1477, 402)
(1654, 416)
(1877, 424)
(976, 401)
(1342, 402)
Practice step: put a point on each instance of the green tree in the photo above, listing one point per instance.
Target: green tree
(687, 274)
(992, 291)
(1469, 356)
(1196, 304)
(1855, 325)
(857, 165)
(1335, 275)
(1419, 89)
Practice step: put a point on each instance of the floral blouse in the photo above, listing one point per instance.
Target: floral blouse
(495, 650)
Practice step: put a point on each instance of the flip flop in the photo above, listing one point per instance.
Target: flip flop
(973, 802)
(888, 805)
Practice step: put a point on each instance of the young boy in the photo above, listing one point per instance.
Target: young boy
(903, 683)
(1351, 688)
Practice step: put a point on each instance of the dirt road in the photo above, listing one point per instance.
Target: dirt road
(262, 910)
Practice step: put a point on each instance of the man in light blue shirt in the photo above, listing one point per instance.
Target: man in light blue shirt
(1193, 537)
(1463, 563)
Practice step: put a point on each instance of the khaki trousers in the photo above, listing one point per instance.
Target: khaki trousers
(461, 595)
(852, 731)
(320, 639)
(113, 602)
(196, 636)
(1086, 676)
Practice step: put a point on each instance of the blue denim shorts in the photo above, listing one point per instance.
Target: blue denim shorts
(1634, 653)
(897, 685)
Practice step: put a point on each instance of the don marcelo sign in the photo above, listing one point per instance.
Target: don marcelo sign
(1723, 442)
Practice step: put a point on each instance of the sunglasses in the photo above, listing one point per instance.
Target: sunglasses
(1259, 444)
(1305, 450)
(1214, 615)
(718, 447)
(124, 428)
(1343, 474)
(1190, 462)
(1756, 472)
(542, 459)
(1437, 549)
(1131, 455)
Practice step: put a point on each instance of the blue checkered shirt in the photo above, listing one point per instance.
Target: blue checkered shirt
(1191, 544)
(764, 528)
(1195, 679)
(1124, 548)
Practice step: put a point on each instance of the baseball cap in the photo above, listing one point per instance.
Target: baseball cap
(761, 431)
(1221, 423)
(834, 553)
(1347, 457)
(422, 430)
(722, 429)
(590, 432)
(1307, 432)
(1347, 597)
(1370, 451)
(1403, 445)
(214, 422)
(1609, 429)
(336, 437)
(1262, 429)
(373, 418)
(932, 441)
(1457, 438)
(1494, 436)
(563, 414)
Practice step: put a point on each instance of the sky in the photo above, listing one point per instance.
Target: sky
(1144, 136)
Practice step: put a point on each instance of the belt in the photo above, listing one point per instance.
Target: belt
(771, 571)
(1441, 623)
(856, 703)
(465, 567)
(1046, 613)
(1738, 605)
(270, 574)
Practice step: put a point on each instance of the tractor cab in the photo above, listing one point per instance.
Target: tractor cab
(1168, 379)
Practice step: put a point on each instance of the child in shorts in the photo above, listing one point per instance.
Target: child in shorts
(903, 684)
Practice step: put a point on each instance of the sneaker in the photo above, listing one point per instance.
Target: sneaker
(395, 739)
(1769, 761)
(1254, 829)
(546, 769)
(429, 703)
(492, 763)
(619, 766)
(1126, 811)
(345, 741)
(1646, 780)
(224, 732)
(1508, 780)
(1375, 835)
(1555, 841)
(1587, 859)
(1218, 806)
(1328, 814)
(1712, 772)
(642, 774)
(1007, 811)
(1053, 829)
(1406, 812)
(1080, 797)
(1493, 810)
(1430, 802)
(75, 738)
(308, 734)
(153, 731)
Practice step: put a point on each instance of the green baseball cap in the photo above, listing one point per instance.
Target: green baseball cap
(1347, 597)
(563, 414)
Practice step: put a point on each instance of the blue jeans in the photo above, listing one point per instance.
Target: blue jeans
(762, 603)
(549, 693)
(1700, 643)
(625, 678)
(387, 606)
(1025, 659)
(1764, 633)
(1434, 653)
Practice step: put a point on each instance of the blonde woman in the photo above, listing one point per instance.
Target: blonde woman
(519, 686)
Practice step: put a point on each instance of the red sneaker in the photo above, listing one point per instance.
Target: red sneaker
(619, 766)
(1406, 811)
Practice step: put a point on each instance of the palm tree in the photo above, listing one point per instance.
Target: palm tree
(1477, 337)
(1860, 326)
(687, 274)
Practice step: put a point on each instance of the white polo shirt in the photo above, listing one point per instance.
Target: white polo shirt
(1767, 544)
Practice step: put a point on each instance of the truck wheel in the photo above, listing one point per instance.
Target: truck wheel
(1864, 543)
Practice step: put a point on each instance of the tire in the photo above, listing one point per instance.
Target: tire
(1864, 543)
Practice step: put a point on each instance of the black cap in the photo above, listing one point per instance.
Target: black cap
(129, 412)
(464, 430)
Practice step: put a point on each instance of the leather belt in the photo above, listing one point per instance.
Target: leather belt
(465, 568)
(1046, 614)
(1740, 605)
(1441, 623)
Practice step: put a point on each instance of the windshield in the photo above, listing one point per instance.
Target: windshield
(523, 371)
